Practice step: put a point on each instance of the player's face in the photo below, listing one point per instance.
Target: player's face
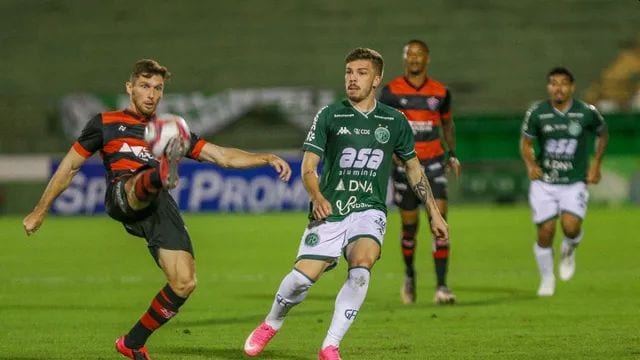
(360, 78)
(145, 93)
(560, 88)
(416, 58)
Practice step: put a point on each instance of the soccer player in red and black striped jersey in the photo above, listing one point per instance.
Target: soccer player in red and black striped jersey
(137, 191)
(427, 105)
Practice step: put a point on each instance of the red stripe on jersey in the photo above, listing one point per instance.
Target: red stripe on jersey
(120, 117)
(197, 148)
(81, 150)
(125, 164)
(115, 145)
(429, 149)
(400, 86)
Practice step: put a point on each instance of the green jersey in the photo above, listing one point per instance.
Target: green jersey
(356, 149)
(562, 138)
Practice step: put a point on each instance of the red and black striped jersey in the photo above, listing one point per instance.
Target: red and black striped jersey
(119, 137)
(425, 107)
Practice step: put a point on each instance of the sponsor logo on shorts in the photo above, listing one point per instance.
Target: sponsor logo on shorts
(312, 239)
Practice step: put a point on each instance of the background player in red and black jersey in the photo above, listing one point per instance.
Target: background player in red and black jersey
(427, 105)
(137, 192)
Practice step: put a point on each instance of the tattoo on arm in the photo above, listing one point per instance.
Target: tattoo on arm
(422, 189)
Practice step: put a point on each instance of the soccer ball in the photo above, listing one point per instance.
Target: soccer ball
(158, 132)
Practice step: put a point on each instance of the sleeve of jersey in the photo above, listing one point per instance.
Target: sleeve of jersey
(317, 136)
(445, 109)
(90, 140)
(529, 125)
(405, 147)
(599, 125)
(196, 146)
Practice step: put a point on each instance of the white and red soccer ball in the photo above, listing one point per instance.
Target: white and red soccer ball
(158, 132)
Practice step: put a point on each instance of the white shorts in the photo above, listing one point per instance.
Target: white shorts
(327, 240)
(549, 200)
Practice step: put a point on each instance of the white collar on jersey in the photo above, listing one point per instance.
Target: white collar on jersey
(365, 113)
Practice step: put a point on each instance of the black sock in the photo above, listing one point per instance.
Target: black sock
(408, 242)
(164, 306)
(441, 260)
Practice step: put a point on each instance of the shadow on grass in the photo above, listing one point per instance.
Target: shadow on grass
(227, 353)
(495, 295)
(252, 319)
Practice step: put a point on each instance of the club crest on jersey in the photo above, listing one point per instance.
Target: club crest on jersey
(433, 103)
(574, 128)
(312, 239)
(382, 135)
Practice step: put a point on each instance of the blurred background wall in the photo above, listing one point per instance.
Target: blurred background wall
(493, 55)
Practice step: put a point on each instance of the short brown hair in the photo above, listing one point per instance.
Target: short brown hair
(147, 68)
(366, 54)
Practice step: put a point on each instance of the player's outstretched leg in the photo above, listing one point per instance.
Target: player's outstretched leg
(292, 291)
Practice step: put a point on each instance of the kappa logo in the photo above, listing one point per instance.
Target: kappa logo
(122, 128)
(344, 131)
(139, 151)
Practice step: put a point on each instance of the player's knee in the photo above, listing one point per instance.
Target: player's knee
(546, 232)
(362, 260)
(572, 231)
(183, 286)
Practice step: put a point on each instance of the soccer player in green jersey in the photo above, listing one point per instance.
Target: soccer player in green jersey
(560, 170)
(356, 138)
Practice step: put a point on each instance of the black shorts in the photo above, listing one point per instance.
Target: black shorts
(160, 223)
(403, 195)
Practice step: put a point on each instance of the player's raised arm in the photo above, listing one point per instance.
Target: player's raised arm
(240, 159)
(60, 181)
(422, 189)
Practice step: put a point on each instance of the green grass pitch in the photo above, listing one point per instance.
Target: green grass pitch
(80, 282)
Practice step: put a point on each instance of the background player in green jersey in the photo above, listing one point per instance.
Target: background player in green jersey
(357, 138)
(559, 172)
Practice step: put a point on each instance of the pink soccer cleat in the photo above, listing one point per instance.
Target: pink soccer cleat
(258, 339)
(135, 354)
(329, 353)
